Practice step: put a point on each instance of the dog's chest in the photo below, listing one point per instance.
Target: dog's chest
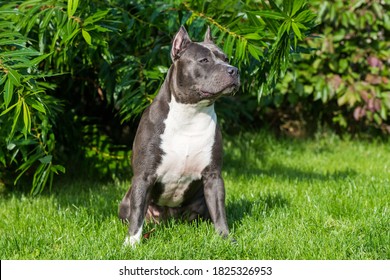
(187, 144)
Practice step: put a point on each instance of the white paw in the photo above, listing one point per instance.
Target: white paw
(133, 240)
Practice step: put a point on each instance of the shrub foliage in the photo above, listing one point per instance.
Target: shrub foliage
(72, 72)
(345, 82)
(75, 75)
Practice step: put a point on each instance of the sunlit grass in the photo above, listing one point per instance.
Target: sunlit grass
(324, 198)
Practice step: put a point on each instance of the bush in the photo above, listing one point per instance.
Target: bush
(72, 72)
(345, 83)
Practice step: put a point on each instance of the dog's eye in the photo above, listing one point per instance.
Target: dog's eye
(226, 59)
(204, 60)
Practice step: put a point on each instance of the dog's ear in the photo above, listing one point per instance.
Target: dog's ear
(180, 43)
(207, 37)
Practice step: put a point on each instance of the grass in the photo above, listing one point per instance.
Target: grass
(324, 198)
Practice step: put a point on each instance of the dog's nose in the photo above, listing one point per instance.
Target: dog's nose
(233, 71)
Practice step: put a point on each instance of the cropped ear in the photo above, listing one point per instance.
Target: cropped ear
(207, 37)
(180, 43)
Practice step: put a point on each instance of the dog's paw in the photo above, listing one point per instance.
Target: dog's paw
(131, 241)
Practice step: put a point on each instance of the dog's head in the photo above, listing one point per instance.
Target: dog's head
(201, 69)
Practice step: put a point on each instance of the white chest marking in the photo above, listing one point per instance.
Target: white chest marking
(187, 144)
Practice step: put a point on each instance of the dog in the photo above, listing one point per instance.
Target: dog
(177, 150)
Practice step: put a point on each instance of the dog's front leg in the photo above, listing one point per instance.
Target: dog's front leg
(139, 198)
(214, 191)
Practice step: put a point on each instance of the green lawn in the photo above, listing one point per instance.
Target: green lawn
(324, 198)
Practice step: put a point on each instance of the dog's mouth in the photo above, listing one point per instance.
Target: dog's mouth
(206, 94)
(231, 88)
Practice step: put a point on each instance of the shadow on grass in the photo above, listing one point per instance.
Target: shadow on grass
(290, 173)
(262, 207)
(100, 199)
(248, 165)
(250, 154)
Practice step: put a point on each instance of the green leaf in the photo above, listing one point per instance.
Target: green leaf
(45, 22)
(56, 168)
(269, 14)
(11, 146)
(240, 49)
(38, 59)
(8, 109)
(16, 118)
(71, 36)
(228, 46)
(47, 159)
(285, 27)
(272, 5)
(297, 5)
(296, 30)
(3, 78)
(26, 119)
(87, 37)
(2, 158)
(40, 178)
(95, 17)
(305, 16)
(17, 42)
(244, 44)
(72, 7)
(14, 76)
(252, 36)
(383, 112)
(27, 164)
(39, 107)
(42, 29)
(254, 51)
(19, 53)
(8, 92)
(343, 64)
(10, 34)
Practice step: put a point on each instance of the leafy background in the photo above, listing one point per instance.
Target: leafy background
(75, 75)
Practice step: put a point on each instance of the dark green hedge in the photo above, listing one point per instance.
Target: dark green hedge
(75, 75)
